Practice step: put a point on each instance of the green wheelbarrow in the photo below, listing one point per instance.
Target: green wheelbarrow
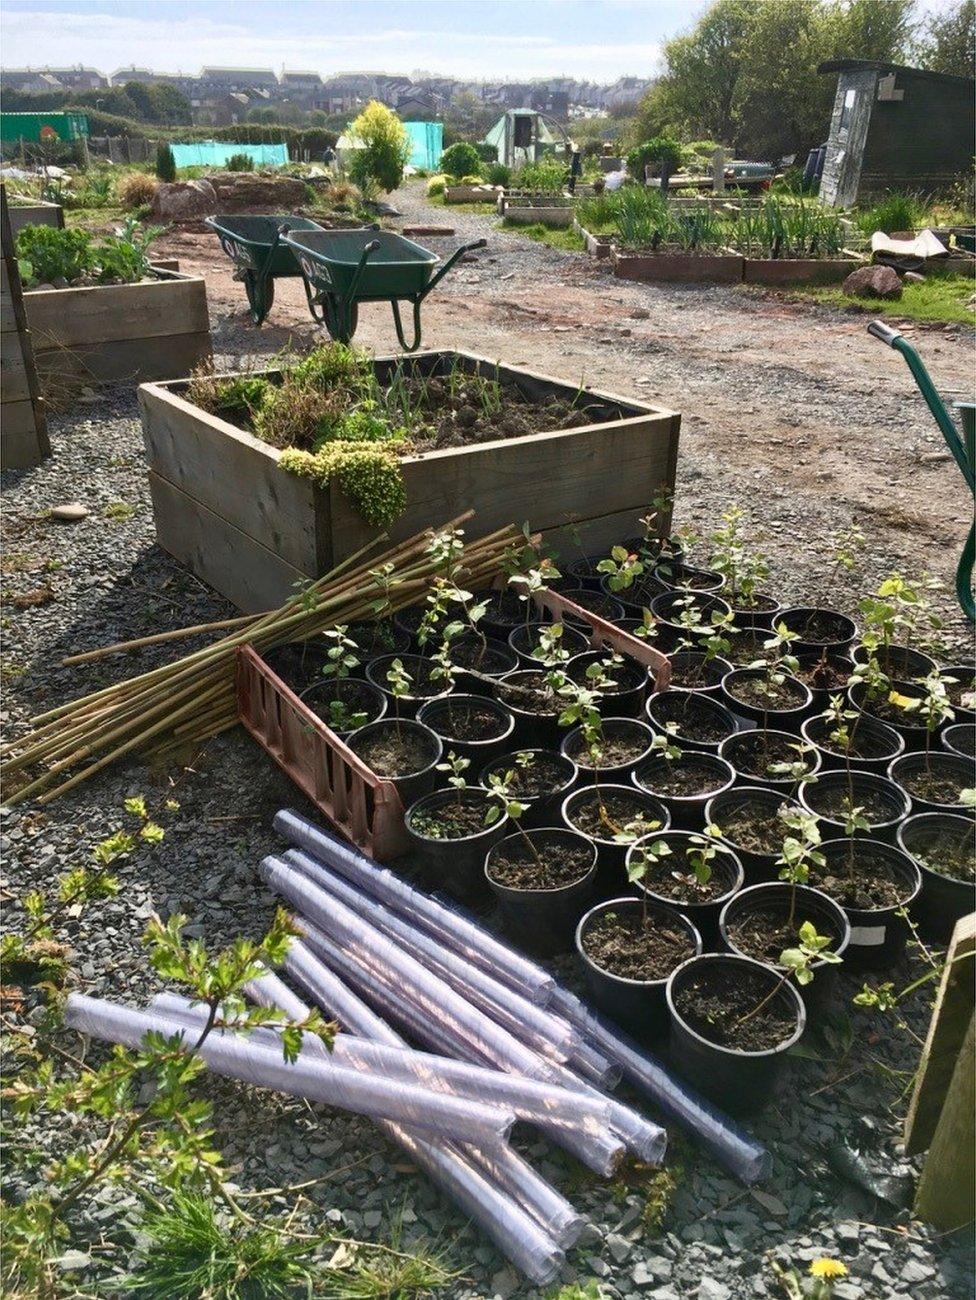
(343, 268)
(963, 448)
(253, 244)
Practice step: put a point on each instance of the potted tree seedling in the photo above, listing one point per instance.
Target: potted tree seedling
(400, 750)
(538, 778)
(695, 872)
(344, 703)
(935, 780)
(768, 688)
(474, 726)
(891, 618)
(699, 662)
(683, 780)
(549, 644)
(744, 571)
(847, 737)
(624, 575)
(819, 628)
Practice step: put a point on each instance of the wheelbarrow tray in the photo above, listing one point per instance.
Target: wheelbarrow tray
(248, 239)
(399, 268)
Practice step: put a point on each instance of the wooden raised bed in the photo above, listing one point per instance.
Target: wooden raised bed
(225, 509)
(798, 270)
(39, 212)
(682, 268)
(598, 246)
(158, 329)
(470, 194)
(518, 214)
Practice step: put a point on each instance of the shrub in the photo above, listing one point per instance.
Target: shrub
(165, 162)
(549, 175)
(472, 179)
(893, 212)
(45, 254)
(385, 147)
(656, 151)
(460, 160)
(136, 190)
(497, 173)
(239, 398)
(435, 186)
(240, 162)
(343, 194)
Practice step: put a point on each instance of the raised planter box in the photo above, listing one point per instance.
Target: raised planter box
(470, 194)
(798, 270)
(39, 212)
(598, 246)
(682, 268)
(518, 214)
(110, 333)
(225, 509)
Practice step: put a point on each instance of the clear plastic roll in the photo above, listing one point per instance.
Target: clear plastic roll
(316, 1079)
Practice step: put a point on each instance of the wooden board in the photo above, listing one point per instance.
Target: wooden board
(248, 574)
(13, 372)
(946, 1192)
(128, 360)
(110, 313)
(23, 428)
(798, 270)
(678, 268)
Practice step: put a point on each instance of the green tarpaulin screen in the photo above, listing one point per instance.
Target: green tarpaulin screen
(426, 144)
(42, 126)
(215, 153)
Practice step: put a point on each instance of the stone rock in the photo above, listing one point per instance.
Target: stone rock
(73, 1260)
(709, 1288)
(619, 1247)
(70, 513)
(184, 200)
(247, 191)
(913, 277)
(873, 282)
(914, 1270)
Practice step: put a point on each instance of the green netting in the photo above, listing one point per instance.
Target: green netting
(215, 153)
(426, 144)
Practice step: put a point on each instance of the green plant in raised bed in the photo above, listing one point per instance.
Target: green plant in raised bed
(45, 254)
(369, 475)
(641, 216)
(124, 256)
(696, 228)
(239, 397)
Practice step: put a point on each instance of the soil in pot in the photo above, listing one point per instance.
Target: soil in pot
(423, 684)
(749, 818)
(623, 743)
(759, 924)
(888, 711)
(943, 844)
(818, 628)
(456, 816)
(534, 703)
(748, 645)
(897, 660)
(582, 572)
(540, 859)
(881, 802)
(639, 595)
(625, 943)
(503, 611)
(673, 879)
(683, 577)
(692, 670)
(695, 606)
(298, 665)
(960, 739)
(451, 831)
(628, 681)
(730, 1009)
(691, 775)
(759, 608)
(699, 720)
(606, 811)
(935, 781)
(872, 744)
(543, 881)
(381, 637)
(406, 753)
(469, 724)
(858, 874)
(538, 778)
(407, 623)
(824, 675)
(524, 641)
(491, 658)
(757, 754)
(597, 602)
(759, 695)
(345, 705)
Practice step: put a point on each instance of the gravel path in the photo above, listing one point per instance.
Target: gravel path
(785, 409)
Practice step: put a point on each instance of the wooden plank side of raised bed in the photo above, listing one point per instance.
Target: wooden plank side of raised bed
(549, 479)
(130, 360)
(18, 434)
(232, 474)
(13, 372)
(246, 573)
(110, 313)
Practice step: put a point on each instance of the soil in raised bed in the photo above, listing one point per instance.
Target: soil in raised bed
(555, 864)
(621, 943)
(715, 1006)
(948, 853)
(931, 785)
(682, 778)
(615, 750)
(765, 695)
(392, 755)
(453, 819)
(864, 881)
(755, 828)
(764, 932)
(603, 814)
(460, 721)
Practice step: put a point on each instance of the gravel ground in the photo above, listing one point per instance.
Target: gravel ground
(759, 382)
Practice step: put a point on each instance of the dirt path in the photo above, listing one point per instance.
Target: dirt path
(791, 409)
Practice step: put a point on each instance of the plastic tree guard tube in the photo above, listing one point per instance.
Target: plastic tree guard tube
(456, 932)
(544, 1032)
(315, 1079)
(740, 1153)
(270, 991)
(591, 1065)
(601, 1153)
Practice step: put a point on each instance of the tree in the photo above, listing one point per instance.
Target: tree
(874, 29)
(460, 160)
(385, 147)
(697, 91)
(165, 162)
(949, 40)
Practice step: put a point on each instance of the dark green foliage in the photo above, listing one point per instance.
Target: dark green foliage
(240, 162)
(460, 160)
(654, 153)
(165, 162)
(47, 254)
(497, 173)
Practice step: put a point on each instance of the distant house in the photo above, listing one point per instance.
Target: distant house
(79, 78)
(419, 107)
(894, 128)
(145, 76)
(31, 81)
(233, 108)
(230, 79)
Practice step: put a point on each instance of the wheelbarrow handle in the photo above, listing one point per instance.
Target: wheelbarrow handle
(884, 332)
(458, 253)
(350, 295)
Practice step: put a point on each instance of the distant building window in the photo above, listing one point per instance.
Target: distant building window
(847, 112)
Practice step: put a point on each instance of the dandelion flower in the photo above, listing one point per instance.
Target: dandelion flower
(828, 1268)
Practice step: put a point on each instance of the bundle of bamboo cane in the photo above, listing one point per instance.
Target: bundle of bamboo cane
(193, 698)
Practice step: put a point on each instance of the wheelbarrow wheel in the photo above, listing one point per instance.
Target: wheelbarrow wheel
(333, 312)
(260, 295)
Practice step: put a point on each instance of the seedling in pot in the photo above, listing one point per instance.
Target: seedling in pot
(798, 962)
(892, 613)
(457, 766)
(549, 648)
(933, 707)
(533, 580)
(621, 567)
(779, 664)
(702, 851)
(638, 864)
(742, 570)
(399, 681)
(712, 643)
(796, 769)
(384, 580)
(800, 852)
(503, 801)
(663, 743)
(341, 660)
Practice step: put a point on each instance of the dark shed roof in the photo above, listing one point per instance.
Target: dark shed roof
(877, 65)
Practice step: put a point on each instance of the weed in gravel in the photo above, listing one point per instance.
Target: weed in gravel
(118, 511)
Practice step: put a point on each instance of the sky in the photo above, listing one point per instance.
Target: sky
(596, 40)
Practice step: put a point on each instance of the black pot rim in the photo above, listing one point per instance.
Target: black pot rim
(722, 900)
(584, 767)
(477, 791)
(749, 893)
(493, 645)
(772, 712)
(878, 726)
(543, 893)
(855, 695)
(608, 788)
(508, 759)
(694, 755)
(744, 790)
(539, 623)
(723, 664)
(707, 703)
(736, 958)
(677, 592)
(630, 901)
(936, 756)
(773, 607)
(909, 864)
(391, 655)
(845, 640)
(445, 701)
(411, 724)
(640, 671)
(860, 654)
(839, 774)
(570, 592)
(965, 823)
(957, 727)
(815, 760)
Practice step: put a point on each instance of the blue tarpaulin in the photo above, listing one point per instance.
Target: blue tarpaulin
(215, 153)
(426, 144)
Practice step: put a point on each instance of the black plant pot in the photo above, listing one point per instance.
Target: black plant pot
(454, 865)
(664, 639)
(943, 899)
(544, 920)
(884, 803)
(540, 809)
(873, 744)
(655, 551)
(684, 577)
(897, 661)
(660, 776)
(701, 722)
(747, 644)
(726, 872)
(779, 718)
(503, 613)
(523, 640)
(490, 658)
(354, 694)
(411, 785)
(753, 752)
(691, 671)
(611, 855)
(532, 730)
(961, 692)
(406, 623)
(299, 665)
(625, 699)
(582, 573)
(381, 637)
(758, 864)
(824, 676)
(764, 610)
(941, 764)
(639, 1006)
(445, 716)
(739, 1082)
(638, 596)
(811, 905)
(878, 934)
(960, 739)
(422, 689)
(669, 608)
(913, 734)
(597, 602)
(817, 630)
(627, 730)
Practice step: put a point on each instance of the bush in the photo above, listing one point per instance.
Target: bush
(136, 189)
(240, 162)
(343, 194)
(436, 186)
(165, 162)
(656, 151)
(549, 175)
(486, 152)
(473, 179)
(385, 147)
(497, 173)
(460, 160)
(45, 254)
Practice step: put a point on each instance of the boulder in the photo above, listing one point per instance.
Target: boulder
(249, 191)
(184, 200)
(873, 282)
